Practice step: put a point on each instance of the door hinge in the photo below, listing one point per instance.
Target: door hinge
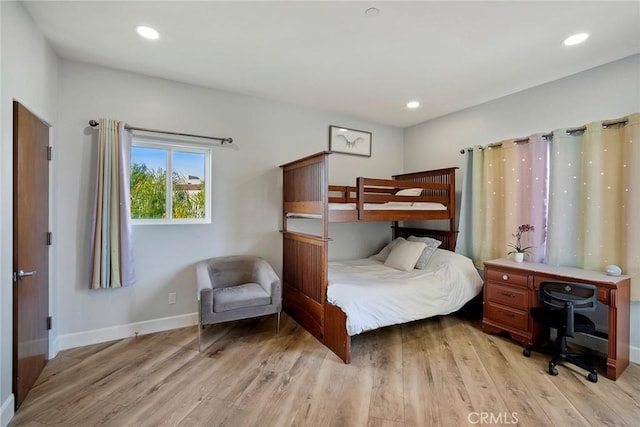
(49, 237)
(48, 152)
(48, 322)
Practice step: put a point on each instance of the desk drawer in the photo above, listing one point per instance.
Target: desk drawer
(511, 296)
(518, 319)
(517, 279)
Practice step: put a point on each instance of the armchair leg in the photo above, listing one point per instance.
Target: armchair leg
(278, 324)
(199, 337)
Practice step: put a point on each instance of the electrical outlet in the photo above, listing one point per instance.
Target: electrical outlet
(172, 298)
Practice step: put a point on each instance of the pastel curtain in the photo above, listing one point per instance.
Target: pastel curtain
(580, 191)
(565, 182)
(472, 225)
(111, 240)
(508, 188)
(594, 205)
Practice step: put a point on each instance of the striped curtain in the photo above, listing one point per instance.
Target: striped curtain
(508, 188)
(594, 204)
(580, 191)
(472, 216)
(111, 240)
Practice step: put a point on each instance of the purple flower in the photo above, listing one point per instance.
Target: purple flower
(524, 228)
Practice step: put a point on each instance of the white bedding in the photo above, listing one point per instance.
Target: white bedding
(389, 206)
(373, 295)
(392, 206)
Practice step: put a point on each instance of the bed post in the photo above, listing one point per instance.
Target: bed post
(452, 208)
(335, 332)
(304, 256)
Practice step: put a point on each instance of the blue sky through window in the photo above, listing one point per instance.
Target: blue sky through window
(184, 163)
(188, 163)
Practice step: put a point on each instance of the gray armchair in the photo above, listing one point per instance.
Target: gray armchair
(236, 287)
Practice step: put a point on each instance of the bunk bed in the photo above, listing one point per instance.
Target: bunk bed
(428, 195)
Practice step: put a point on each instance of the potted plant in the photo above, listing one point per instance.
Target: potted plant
(519, 251)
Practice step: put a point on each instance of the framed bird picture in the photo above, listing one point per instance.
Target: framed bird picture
(349, 141)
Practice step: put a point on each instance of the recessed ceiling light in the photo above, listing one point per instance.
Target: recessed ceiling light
(575, 39)
(147, 32)
(372, 11)
(413, 104)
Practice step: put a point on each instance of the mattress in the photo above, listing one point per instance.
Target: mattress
(389, 206)
(373, 295)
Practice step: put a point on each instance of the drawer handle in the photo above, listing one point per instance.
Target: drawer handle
(506, 294)
(506, 314)
(505, 277)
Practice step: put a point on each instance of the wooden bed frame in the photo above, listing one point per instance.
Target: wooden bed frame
(305, 257)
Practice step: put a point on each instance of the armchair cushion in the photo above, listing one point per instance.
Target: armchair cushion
(240, 296)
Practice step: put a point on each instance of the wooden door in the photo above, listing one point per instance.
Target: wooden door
(30, 249)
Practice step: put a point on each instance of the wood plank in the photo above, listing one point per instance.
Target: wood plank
(86, 372)
(478, 383)
(381, 422)
(451, 399)
(323, 395)
(554, 394)
(289, 399)
(420, 405)
(508, 382)
(207, 412)
(387, 401)
(437, 370)
(355, 396)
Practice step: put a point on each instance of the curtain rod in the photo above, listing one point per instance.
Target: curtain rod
(549, 135)
(93, 124)
(499, 144)
(604, 125)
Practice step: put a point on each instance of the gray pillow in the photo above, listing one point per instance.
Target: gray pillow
(432, 245)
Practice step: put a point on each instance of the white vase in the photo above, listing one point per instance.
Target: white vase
(518, 256)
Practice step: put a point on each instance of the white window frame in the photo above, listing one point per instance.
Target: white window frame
(185, 146)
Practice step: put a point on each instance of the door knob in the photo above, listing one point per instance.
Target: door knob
(22, 273)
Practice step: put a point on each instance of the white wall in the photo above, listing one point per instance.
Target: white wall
(605, 92)
(29, 75)
(246, 191)
(247, 183)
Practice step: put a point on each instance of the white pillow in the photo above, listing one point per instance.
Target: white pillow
(431, 246)
(409, 192)
(384, 253)
(404, 255)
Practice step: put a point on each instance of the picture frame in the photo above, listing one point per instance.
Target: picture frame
(349, 141)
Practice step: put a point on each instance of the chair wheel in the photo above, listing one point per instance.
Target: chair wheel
(526, 352)
(593, 377)
(553, 371)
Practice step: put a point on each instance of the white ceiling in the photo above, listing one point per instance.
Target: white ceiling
(331, 56)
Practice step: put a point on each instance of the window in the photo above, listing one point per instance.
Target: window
(170, 182)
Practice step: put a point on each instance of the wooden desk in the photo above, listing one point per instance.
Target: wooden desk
(511, 289)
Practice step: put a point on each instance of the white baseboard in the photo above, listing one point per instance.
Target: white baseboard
(634, 354)
(96, 336)
(7, 411)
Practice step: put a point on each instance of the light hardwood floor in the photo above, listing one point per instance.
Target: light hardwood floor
(441, 371)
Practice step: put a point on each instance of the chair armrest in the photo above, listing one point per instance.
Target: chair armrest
(267, 278)
(276, 293)
(205, 287)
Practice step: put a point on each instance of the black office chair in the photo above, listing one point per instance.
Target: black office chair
(562, 303)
